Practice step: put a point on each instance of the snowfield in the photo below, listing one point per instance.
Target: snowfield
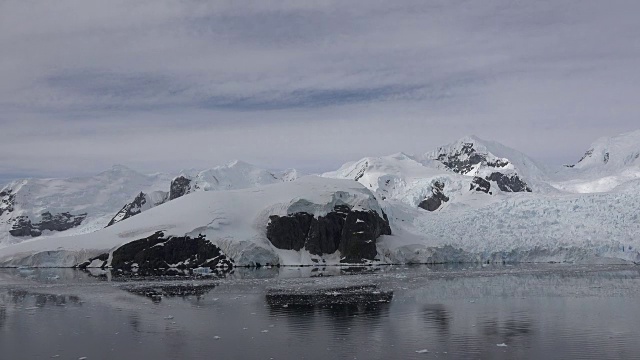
(487, 203)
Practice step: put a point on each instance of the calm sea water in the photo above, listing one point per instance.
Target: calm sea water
(519, 312)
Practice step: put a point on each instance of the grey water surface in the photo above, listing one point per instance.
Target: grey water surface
(491, 312)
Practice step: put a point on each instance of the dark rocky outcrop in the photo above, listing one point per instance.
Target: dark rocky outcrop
(23, 226)
(437, 198)
(159, 252)
(353, 232)
(480, 184)
(587, 154)
(102, 257)
(509, 183)
(359, 234)
(135, 207)
(361, 172)
(289, 232)
(7, 201)
(130, 209)
(462, 161)
(179, 187)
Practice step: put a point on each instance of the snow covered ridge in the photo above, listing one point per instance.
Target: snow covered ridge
(608, 163)
(49, 207)
(62, 207)
(232, 176)
(449, 175)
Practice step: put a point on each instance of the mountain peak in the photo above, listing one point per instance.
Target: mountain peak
(617, 151)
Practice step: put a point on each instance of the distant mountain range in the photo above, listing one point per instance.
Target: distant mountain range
(471, 200)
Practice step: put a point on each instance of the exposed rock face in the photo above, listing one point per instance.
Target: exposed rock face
(289, 232)
(480, 184)
(130, 209)
(179, 187)
(466, 158)
(361, 172)
(361, 229)
(58, 222)
(7, 201)
(509, 183)
(22, 227)
(354, 233)
(100, 260)
(158, 252)
(433, 202)
(136, 207)
(587, 154)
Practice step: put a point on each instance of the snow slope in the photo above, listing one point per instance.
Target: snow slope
(234, 220)
(495, 156)
(523, 227)
(98, 196)
(114, 195)
(400, 177)
(234, 175)
(609, 162)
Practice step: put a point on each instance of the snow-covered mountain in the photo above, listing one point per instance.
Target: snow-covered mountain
(458, 174)
(232, 176)
(471, 200)
(48, 207)
(61, 207)
(608, 163)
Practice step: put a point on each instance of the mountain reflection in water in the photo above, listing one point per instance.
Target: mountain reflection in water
(532, 312)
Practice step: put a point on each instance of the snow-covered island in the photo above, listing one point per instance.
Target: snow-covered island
(468, 201)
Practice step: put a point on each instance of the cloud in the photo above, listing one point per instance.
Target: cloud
(161, 84)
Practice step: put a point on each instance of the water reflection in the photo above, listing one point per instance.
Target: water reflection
(438, 316)
(40, 300)
(385, 313)
(3, 316)
(157, 291)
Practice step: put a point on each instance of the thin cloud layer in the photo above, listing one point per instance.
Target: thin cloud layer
(161, 85)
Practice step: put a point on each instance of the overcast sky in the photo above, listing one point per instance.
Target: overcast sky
(164, 85)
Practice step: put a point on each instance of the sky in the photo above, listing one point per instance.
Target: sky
(161, 85)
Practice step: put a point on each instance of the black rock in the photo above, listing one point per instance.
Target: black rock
(7, 201)
(509, 183)
(480, 184)
(354, 233)
(289, 232)
(102, 257)
(130, 209)
(179, 187)
(134, 208)
(437, 198)
(158, 252)
(462, 166)
(361, 229)
(23, 226)
(587, 154)
(361, 172)
(60, 222)
(325, 233)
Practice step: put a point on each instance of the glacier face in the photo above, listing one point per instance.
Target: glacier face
(471, 200)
